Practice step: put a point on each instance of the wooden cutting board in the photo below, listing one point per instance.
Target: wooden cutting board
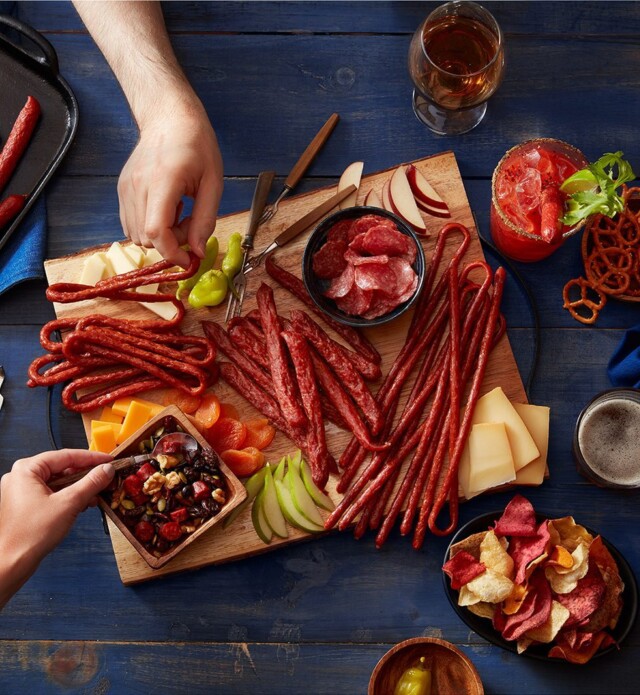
(240, 540)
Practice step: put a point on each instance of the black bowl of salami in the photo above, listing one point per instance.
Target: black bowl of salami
(363, 266)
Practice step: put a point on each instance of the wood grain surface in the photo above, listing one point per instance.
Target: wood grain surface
(240, 540)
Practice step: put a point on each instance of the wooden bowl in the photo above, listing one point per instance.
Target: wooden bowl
(235, 489)
(451, 671)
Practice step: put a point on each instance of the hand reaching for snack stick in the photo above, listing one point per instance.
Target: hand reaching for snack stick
(33, 519)
(177, 154)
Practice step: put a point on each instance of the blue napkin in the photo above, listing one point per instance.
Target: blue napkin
(624, 365)
(23, 255)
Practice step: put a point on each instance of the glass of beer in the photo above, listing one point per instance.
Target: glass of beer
(606, 445)
(456, 62)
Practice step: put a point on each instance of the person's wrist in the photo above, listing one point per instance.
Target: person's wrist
(16, 566)
(178, 104)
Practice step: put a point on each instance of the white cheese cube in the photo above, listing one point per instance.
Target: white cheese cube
(536, 420)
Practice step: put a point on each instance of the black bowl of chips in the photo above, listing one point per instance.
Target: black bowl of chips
(588, 593)
(363, 266)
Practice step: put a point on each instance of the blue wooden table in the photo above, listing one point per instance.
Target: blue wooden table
(316, 617)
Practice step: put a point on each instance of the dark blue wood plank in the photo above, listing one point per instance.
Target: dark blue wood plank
(265, 116)
(613, 18)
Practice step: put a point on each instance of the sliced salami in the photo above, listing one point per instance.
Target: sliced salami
(329, 260)
(341, 285)
(364, 224)
(404, 274)
(340, 231)
(356, 302)
(374, 276)
(355, 258)
(382, 239)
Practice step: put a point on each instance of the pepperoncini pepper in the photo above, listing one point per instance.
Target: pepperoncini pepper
(210, 255)
(232, 261)
(210, 290)
(415, 680)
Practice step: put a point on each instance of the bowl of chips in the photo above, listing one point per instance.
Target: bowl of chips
(548, 588)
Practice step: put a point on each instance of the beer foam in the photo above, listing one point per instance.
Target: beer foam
(609, 440)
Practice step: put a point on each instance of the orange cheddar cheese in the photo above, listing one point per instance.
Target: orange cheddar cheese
(122, 405)
(104, 439)
(97, 424)
(92, 445)
(108, 415)
(138, 414)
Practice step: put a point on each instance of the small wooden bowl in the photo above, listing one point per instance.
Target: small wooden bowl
(451, 671)
(236, 490)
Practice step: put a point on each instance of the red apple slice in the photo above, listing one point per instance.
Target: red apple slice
(386, 200)
(423, 191)
(373, 199)
(350, 177)
(434, 212)
(403, 202)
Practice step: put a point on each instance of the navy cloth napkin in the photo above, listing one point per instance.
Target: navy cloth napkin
(624, 365)
(23, 255)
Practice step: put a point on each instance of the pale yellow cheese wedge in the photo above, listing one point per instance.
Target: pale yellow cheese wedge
(491, 462)
(120, 260)
(536, 419)
(94, 270)
(135, 253)
(496, 407)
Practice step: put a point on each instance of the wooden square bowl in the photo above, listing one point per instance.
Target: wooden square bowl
(236, 492)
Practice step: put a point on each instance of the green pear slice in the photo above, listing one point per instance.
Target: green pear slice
(291, 514)
(259, 521)
(281, 469)
(271, 508)
(316, 493)
(253, 486)
(301, 498)
(295, 459)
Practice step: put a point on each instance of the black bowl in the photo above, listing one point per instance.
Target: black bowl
(317, 286)
(484, 627)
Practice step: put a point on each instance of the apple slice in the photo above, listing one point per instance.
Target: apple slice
(271, 508)
(281, 469)
(291, 513)
(316, 493)
(253, 486)
(423, 191)
(301, 498)
(386, 200)
(434, 212)
(259, 521)
(350, 177)
(403, 202)
(373, 199)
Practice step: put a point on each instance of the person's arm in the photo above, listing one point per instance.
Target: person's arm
(177, 153)
(33, 519)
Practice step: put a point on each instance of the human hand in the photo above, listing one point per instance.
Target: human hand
(33, 518)
(177, 155)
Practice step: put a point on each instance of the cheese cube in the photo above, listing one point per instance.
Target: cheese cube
(121, 406)
(165, 310)
(135, 253)
(137, 416)
(119, 260)
(536, 419)
(496, 407)
(99, 424)
(94, 270)
(152, 256)
(490, 460)
(104, 439)
(107, 415)
(92, 445)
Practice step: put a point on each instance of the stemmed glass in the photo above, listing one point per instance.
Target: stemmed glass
(456, 62)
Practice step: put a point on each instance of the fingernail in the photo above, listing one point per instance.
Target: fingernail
(108, 469)
(201, 248)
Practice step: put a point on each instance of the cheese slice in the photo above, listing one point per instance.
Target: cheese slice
(536, 419)
(491, 462)
(119, 260)
(135, 253)
(152, 256)
(137, 416)
(165, 310)
(496, 407)
(94, 270)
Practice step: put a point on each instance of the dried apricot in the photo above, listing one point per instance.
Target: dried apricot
(227, 433)
(229, 410)
(243, 462)
(185, 401)
(209, 411)
(259, 433)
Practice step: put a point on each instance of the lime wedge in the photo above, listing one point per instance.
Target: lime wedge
(582, 180)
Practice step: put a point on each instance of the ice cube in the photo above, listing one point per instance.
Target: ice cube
(528, 190)
(531, 158)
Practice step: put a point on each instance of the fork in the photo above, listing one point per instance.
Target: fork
(260, 195)
(302, 165)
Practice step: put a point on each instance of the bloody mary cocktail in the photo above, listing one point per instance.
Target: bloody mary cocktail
(526, 201)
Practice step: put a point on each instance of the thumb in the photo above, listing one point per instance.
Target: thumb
(81, 494)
